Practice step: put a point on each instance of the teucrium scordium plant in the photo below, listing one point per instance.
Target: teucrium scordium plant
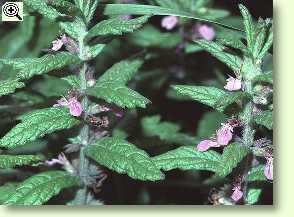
(62, 91)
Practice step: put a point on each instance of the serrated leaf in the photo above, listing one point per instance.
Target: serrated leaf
(232, 155)
(11, 161)
(87, 8)
(123, 157)
(39, 188)
(264, 77)
(187, 158)
(136, 9)
(73, 81)
(9, 86)
(259, 42)
(268, 44)
(116, 26)
(211, 96)
(93, 51)
(121, 72)
(166, 131)
(122, 96)
(249, 27)
(253, 195)
(43, 8)
(28, 67)
(75, 29)
(23, 98)
(265, 118)
(36, 124)
(217, 50)
(256, 174)
(6, 190)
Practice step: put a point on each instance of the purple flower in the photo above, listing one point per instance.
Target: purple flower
(169, 22)
(126, 17)
(224, 134)
(233, 84)
(206, 144)
(269, 168)
(75, 107)
(57, 44)
(60, 160)
(206, 32)
(237, 194)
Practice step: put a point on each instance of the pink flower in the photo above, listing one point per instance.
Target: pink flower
(206, 32)
(233, 84)
(126, 17)
(269, 168)
(237, 194)
(60, 160)
(169, 22)
(224, 134)
(57, 45)
(75, 107)
(205, 145)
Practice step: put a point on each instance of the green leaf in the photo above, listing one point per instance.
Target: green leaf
(43, 8)
(136, 9)
(265, 118)
(121, 72)
(122, 96)
(268, 44)
(16, 39)
(87, 8)
(28, 67)
(11, 161)
(253, 195)
(39, 188)
(75, 29)
(217, 50)
(232, 155)
(249, 26)
(9, 86)
(149, 36)
(264, 77)
(123, 157)
(187, 158)
(116, 26)
(36, 124)
(259, 42)
(211, 96)
(166, 131)
(73, 81)
(256, 174)
(6, 190)
(93, 51)
(110, 86)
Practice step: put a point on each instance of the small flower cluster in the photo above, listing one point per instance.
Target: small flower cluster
(75, 107)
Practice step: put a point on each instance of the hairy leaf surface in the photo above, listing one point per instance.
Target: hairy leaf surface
(10, 161)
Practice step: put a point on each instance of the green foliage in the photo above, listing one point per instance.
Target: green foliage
(210, 96)
(253, 195)
(111, 85)
(5, 190)
(75, 29)
(29, 67)
(232, 155)
(256, 174)
(10, 161)
(249, 26)
(116, 26)
(123, 157)
(209, 123)
(217, 50)
(39, 188)
(43, 8)
(265, 77)
(9, 86)
(36, 124)
(87, 7)
(166, 131)
(265, 118)
(187, 158)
